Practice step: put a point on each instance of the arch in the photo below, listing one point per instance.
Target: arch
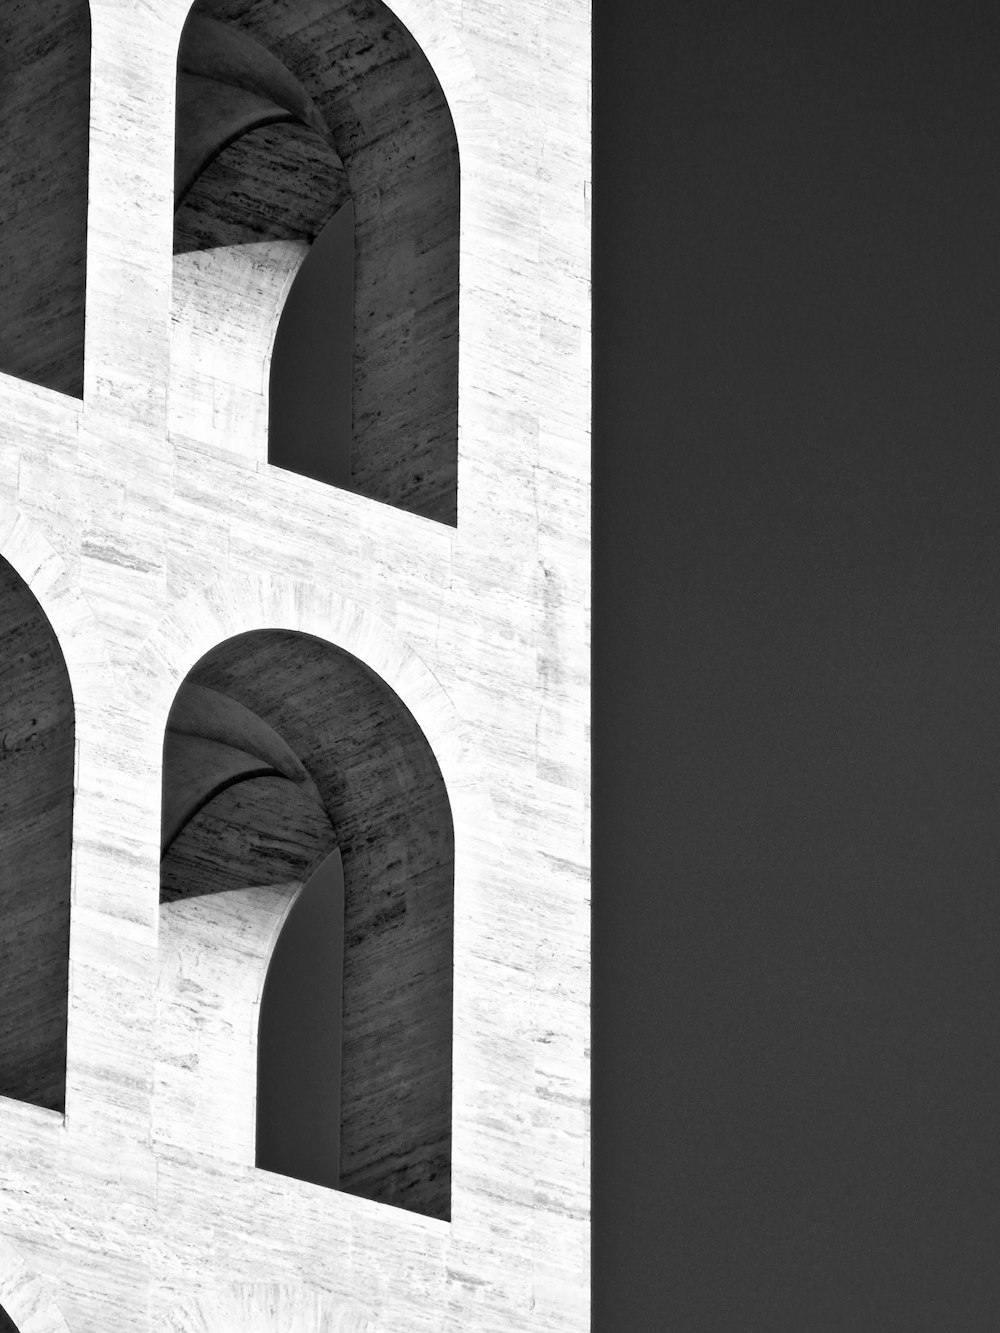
(30, 553)
(36, 811)
(239, 603)
(44, 149)
(281, 748)
(336, 97)
(264, 1307)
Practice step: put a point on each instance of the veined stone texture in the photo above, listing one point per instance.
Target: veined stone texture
(148, 525)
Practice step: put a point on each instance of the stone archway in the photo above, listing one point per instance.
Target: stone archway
(311, 105)
(281, 747)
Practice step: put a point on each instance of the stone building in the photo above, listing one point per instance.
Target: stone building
(259, 703)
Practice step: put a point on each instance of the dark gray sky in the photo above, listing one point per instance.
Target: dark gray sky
(798, 640)
(797, 830)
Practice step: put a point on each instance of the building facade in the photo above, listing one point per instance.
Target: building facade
(226, 666)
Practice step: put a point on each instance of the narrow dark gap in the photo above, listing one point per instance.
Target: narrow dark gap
(309, 431)
(299, 1036)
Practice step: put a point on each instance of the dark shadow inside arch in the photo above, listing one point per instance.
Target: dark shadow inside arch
(7, 1324)
(44, 146)
(36, 812)
(348, 772)
(309, 428)
(284, 114)
(299, 1035)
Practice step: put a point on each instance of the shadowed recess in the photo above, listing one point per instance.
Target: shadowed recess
(36, 811)
(286, 112)
(280, 750)
(253, 158)
(309, 408)
(7, 1324)
(298, 1063)
(44, 143)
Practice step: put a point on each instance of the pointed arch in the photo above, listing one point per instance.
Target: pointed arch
(346, 78)
(281, 748)
(44, 149)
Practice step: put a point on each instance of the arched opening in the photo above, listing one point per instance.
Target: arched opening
(36, 812)
(44, 146)
(282, 753)
(286, 113)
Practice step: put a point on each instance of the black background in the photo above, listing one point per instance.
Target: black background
(797, 745)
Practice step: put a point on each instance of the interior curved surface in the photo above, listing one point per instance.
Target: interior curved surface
(392, 129)
(212, 744)
(384, 797)
(274, 181)
(213, 955)
(259, 829)
(218, 53)
(226, 303)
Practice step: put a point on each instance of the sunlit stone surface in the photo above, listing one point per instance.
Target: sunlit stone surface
(149, 528)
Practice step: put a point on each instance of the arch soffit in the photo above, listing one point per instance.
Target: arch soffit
(26, 1296)
(436, 31)
(30, 554)
(260, 1308)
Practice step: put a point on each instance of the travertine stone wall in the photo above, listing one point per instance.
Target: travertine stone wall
(28, 1305)
(147, 545)
(213, 955)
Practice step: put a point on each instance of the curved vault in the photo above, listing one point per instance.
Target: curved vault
(281, 748)
(36, 811)
(287, 111)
